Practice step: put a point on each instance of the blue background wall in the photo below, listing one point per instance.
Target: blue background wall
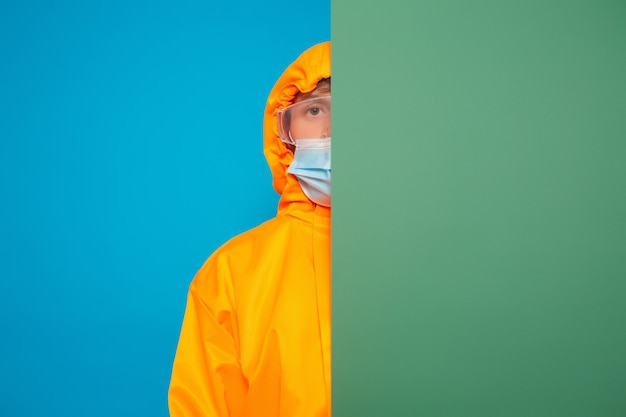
(130, 149)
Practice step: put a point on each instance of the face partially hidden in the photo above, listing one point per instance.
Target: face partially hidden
(310, 117)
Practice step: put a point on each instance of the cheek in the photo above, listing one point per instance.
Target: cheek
(296, 127)
(303, 130)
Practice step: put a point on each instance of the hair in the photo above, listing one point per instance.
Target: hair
(323, 86)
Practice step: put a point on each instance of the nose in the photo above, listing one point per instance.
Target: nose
(326, 132)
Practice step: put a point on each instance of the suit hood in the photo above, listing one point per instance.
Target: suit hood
(302, 75)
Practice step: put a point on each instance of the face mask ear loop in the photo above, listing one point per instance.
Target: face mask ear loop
(293, 142)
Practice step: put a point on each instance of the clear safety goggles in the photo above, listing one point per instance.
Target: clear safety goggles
(307, 119)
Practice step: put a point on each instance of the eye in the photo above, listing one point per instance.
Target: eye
(314, 111)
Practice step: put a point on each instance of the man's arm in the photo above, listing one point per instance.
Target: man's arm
(206, 376)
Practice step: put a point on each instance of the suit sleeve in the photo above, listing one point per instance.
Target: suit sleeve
(206, 375)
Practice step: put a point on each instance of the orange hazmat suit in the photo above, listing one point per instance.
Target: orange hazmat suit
(256, 336)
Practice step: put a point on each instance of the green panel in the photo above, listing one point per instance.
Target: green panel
(479, 208)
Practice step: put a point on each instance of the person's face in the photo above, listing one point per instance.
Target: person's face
(310, 117)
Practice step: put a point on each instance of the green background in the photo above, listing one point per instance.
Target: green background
(479, 208)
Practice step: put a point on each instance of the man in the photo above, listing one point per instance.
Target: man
(255, 339)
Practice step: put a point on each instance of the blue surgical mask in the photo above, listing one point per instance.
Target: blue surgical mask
(311, 165)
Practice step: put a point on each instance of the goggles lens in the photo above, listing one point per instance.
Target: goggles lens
(307, 119)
